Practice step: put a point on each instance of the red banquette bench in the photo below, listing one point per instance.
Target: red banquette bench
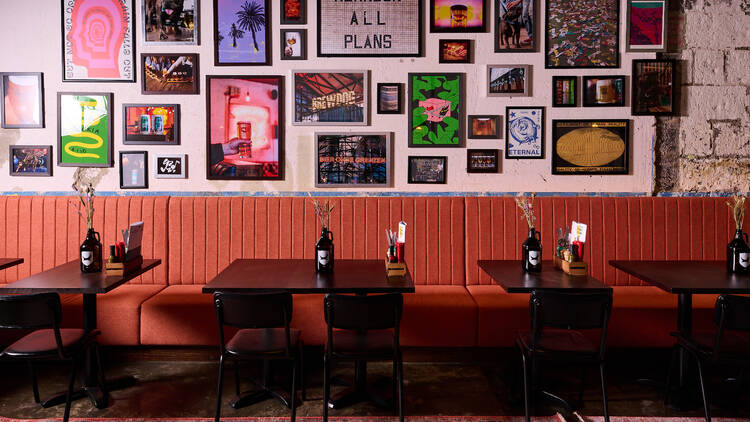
(455, 304)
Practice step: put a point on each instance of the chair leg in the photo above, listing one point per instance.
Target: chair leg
(69, 394)
(326, 387)
(237, 377)
(218, 389)
(302, 371)
(583, 385)
(293, 402)
(670, 369)
(34, 385)
(706, 407)
(526, 392)
(605, 404)
(401, 410)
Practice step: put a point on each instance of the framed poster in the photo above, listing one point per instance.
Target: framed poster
(293, 12)
(564, 91)
(524, 132)
(170, 166)
(133, 170)
(436, 109)
(515, 26)
(294, 44)
(336, 97)
(458, 15)
(151, 124)
(481, 161)
(22, 104)
(369, 29)
(172, 22)
(245, 127)
(454, 51)
(646, 26)
(653, 87)
(242, 34)
(84, 129)
(427, 169)
(484, 127)
(604, 91)
(590, 146)
(508, 80)
(585, 36)
(97, 41)
(353, 160)
(174, 74)
(31, 160)
(389, 98)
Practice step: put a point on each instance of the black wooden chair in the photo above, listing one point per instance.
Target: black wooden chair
(264, 335)
(363, 328)
(729, 345)
(560, 322)
(42, 313)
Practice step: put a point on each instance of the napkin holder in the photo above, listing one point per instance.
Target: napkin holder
(578, 268)
(395, 269)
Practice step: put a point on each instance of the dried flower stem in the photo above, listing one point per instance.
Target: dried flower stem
(737, 206)
(323, 212)
(526, 204)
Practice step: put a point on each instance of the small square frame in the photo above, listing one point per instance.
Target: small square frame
(399, 107)
(495, 117)
(302, 41)
(442, 44)
(472, 169)
(302, 12)
(50, 160)
(573, 92)
(183, 168)
(411, 174)
(40, 77)
(587, 101)
(144, 157)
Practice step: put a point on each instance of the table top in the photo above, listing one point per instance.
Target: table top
(68, 278)
(9, 262)
(687, 276)
(299, 276)
(514, 279)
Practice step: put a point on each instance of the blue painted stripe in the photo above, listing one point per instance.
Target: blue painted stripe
(370, 194)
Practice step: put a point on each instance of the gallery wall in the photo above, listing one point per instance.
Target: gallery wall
(30, 41)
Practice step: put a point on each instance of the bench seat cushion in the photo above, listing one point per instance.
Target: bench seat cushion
(439, 316)
(500, 315)
(179, 315)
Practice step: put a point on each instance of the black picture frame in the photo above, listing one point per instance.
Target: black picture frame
(302, 41)
(474, 135)
(149, 76)
(482, 29)
(443, 45)
(40, 97)
(109, 162)
(309, 86)
(558, 95)
(664, 32)
(473, 167)
(266, 41)
(413, 104)
(144, 160)
(638, 90)
(604, 128)
(353, 174)
(533, 47)
(283, 20)
(412, 176)
(150, 138)
(400, 98)
(586, 92)
(510, 127)
(49, 160)
(598, 12)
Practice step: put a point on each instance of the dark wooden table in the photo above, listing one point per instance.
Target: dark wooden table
(9, 262)
(511, 277)
(68, 278)
(298, 276)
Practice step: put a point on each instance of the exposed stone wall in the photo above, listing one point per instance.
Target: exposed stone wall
(707, 148)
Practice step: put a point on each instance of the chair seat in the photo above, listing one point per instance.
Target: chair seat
(733, 344)
(250, 341)
(553, 340)
(42, 342)
(371, 343)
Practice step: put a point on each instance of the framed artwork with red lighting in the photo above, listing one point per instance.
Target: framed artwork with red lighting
(21, 100)
(244, 127)
(335, 97)
(454, 51)
(97, 41)
(151, 124)
(458, 15)
(293, 12)
(647, 26)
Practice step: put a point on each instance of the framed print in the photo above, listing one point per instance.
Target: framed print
(294, 44)
(585, 36)
(245, 127)
(22, 103)
(508, 80)
(564, 91)
(524, 132)
(170, 22)
(151, 124)
(389, 98)
(484, 127)
(353, 160)
(31, 160)
(170, 166)
(330, 97)
(458, 15)
(242, 34)
(653, 87)
(84, 129)
(590, 146)
(369, 29)
(97, 42)
(427, 169)
(515, 26)
(646, 26)
(174, 74)
(604, 91)
(293, 12)
(133, 170)
(481, 161)
(436, 109)
(454, 51)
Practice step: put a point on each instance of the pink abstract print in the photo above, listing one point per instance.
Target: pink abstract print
(646, 23)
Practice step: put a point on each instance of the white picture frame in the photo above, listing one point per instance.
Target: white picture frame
(164, 166)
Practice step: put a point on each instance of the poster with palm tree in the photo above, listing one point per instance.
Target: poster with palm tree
(241, 32)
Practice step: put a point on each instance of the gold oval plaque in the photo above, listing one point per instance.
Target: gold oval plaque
(590, 147)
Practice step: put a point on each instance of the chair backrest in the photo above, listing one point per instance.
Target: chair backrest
(373, 312)
(33, 312)
(732, 312)
(253, 310)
